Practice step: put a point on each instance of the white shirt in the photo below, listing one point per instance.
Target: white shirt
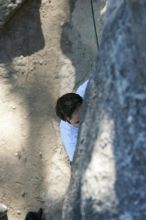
(68, 132)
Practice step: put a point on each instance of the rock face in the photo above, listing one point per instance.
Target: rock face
(108, 173)
(7, 9)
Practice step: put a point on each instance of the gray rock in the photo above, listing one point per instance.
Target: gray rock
(108, 174)
(7, 9)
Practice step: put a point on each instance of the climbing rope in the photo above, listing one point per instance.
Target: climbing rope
(94, 23)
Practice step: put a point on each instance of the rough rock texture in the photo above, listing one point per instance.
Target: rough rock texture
(108, 174)
(7, 9)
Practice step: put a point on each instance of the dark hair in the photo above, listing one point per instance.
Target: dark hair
(35, 215)
(67, 104)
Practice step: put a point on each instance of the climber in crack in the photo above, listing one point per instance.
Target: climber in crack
(68, 109)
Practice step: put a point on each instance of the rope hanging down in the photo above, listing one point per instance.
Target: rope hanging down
(94, 23)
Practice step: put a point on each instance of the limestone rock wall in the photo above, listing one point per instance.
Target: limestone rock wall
(108, 173)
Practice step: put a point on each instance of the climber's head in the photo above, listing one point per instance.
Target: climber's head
(68, 108)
